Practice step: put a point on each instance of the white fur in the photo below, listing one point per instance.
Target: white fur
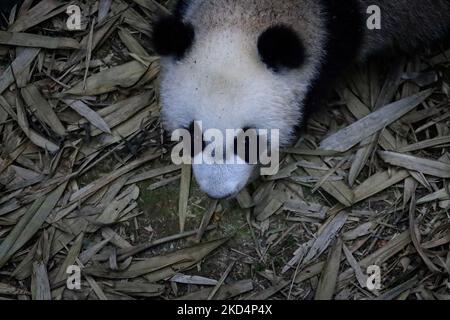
(223, 181)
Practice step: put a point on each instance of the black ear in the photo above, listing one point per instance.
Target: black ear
(172, 37)
(280, 47)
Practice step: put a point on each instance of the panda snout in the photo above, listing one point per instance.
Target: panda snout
(222, 181)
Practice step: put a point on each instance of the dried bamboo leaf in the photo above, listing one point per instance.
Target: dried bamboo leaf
(125, 130)
(132, 44)
(7, 109)
(34, 137)
(40, 286)
(206, 220)
(116, 239)
(17, 68)
(153, 6)
(90, 252)
(112, 212)
(90, 115)
(415, 234)
(442, 194)
(425, 166)
(439, 141)
(43, 10)
(299, 254)
(113, 191)
(123, 76)
(72, 228)
(347, 138)
(311, 210)
(125, 110)
(224, 293)
(141, 289)
(328, 280)
(395, 245)
(386, 140)
(361, 158)
(271, 291)
(195, 280)
(26, 5)
(410, 188)
(96, 288)
(175, 261)
(360, 276)
(360, 231)
(338, 189)
(97, 38)
(222, 279)
(125, 253)
(103, 9)
(6, 289)
(377, 183)
(29, 224)
(89, 47)
(328, 233)
(70, 260)
(104, 181)
(309, 272)
(37, 41)
(134, 19)
(45, 112)
(398, 290)
(245, 200)
(326, 177)
(269, 209)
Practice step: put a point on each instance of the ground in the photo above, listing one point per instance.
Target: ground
(86, 179)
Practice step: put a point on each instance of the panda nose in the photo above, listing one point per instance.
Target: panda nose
(222, 181)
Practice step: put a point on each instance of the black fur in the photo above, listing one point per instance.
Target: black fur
(5, 9)
(345, 26)
(180, 8)
(172, 37)
(7, 5)
(280, 47)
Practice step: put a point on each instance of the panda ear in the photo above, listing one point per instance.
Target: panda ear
(172, 37)
(280, 47)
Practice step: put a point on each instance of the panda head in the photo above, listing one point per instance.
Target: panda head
(228, 75)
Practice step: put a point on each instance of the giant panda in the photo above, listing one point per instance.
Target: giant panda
(238, 64)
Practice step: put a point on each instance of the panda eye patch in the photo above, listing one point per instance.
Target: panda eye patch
(172, 37)
(280, 47)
